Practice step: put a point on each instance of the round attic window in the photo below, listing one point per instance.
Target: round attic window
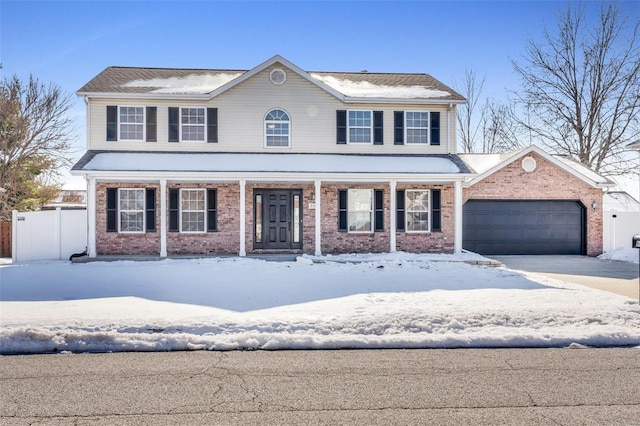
(529, 164)
(278, 76)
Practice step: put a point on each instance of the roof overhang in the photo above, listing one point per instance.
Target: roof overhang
(605, 183)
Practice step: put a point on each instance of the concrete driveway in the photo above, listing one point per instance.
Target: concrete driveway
(616, 277)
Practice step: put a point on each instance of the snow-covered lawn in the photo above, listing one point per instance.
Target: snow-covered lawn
(375, 301)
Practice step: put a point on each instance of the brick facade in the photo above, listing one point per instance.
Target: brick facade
(546, 182)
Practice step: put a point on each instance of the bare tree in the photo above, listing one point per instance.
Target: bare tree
(501, 131)
(468, 123)
(581, 84)
(34, 142)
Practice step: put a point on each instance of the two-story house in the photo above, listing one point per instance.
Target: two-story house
(277, 160)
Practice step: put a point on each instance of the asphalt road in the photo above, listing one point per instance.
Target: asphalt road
(506, 386)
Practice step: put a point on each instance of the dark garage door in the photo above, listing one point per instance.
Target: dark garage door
(523, 227)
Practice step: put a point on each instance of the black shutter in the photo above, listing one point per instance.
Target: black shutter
(112, 209)
(398, 127)
(152, 124)
(342, 210)
(435, 128)
(400, 210)
(212, 211)
(341, 126)
(378, 133)
(174, 125)
(436, 225)
(379, 210)
(212, 125)
(112, 123)
(150, 194)
(174, 194)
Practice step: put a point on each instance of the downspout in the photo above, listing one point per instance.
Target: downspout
(452, 150)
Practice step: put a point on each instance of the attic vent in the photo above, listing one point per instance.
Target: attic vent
(278, 76)
(529, 164)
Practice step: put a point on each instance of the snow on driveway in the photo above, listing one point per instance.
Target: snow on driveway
(375, 301)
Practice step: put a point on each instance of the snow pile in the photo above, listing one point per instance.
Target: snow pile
(365, 89)
(195, 83)
(381, 301)
(622, 254)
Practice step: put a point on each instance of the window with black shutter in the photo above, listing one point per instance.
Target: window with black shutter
(212, 211)
(378, 128)
(174, 194)
(112, 123)
(150, 204)
(400, 210)
(341, 126)
(174, 124)
(112, 209)
(152, 124)
(398, 127)
(379, 210)
(435, 128)
(436, 211)
(342, 210)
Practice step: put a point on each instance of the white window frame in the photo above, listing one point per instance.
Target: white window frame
(143, 211)
(407, 211)
(370, 127)
(143, 124)
(204, 211)
(428, 128)
(267, 122)
(180, 124)
(350, 211)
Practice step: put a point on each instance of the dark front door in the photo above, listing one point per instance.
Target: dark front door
(278, 221)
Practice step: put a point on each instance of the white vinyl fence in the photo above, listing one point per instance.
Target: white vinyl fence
(48, 235)
(618, 228)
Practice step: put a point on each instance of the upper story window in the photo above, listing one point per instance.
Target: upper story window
(277, 129)
(360, 126)
(131, 123)
(417, 126)
(192, 124)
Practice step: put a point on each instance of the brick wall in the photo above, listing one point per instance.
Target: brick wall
(547, 182)
(129, 244)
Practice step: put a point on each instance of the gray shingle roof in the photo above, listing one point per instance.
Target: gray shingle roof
(133, 80)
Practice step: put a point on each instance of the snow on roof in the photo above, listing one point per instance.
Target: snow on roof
(366, 89)
(271, 163)
(483, 162)
(582, 169)
(620, 201)
(193, 83)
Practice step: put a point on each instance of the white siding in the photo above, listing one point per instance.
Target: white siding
(241, 112)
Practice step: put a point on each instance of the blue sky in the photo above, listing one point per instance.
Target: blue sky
(68, 43)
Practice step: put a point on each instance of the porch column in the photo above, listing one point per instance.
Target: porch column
(243, 199)
(163, 218)
(392, 217)
(457, 217)
(318, 226)
(91, 217)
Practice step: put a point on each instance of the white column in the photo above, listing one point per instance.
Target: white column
(163, 218)
(457, 217)
(392, 217)
(91, 217)
(318, 226)
(243, 198)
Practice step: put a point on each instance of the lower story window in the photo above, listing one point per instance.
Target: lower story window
(131, 210)
(417, 217)
(192, 210)
(360, 210)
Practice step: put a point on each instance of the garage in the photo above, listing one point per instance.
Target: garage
(503, 227)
